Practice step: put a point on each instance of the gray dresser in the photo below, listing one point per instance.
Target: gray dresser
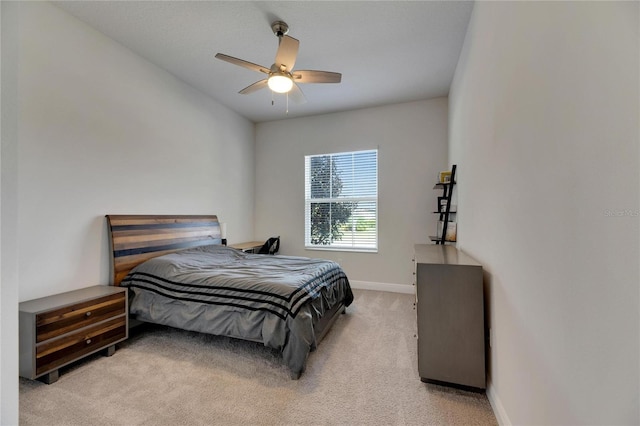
(450, 315)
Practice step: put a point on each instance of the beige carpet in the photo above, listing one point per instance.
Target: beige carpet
(364, 372)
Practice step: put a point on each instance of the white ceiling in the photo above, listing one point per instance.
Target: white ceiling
(387, 51)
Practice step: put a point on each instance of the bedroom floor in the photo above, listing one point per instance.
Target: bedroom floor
(364, 372)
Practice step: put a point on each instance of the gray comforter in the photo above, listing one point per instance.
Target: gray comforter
(275, 300)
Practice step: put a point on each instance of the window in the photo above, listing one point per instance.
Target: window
(341, 201)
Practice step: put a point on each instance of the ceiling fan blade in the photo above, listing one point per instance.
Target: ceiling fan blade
(287, 52)
(296, 95)
(311, 76)
(242, 63)
(254, 87)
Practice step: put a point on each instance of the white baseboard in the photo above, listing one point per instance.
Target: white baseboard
(496, 404)
(393, 288)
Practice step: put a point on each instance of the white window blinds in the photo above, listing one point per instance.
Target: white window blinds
(341, 201)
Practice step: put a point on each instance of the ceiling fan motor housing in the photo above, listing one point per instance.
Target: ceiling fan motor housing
(280, 28)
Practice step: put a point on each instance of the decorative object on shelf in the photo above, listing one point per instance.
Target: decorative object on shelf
(444, 177)
(447, 230)
(451, 231)
(442, 206)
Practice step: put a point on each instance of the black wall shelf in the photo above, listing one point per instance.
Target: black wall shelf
(447, 191)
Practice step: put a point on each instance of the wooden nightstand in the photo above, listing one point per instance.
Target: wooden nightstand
(60, 329)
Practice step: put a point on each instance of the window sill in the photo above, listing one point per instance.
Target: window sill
(353, 250)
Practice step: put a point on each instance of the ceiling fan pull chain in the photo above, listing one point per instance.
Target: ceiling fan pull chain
(287, 111)
(272, 102)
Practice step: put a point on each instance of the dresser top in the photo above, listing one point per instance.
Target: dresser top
(69, 298)
(442, 255)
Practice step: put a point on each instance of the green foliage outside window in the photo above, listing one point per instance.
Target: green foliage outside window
(328, 219)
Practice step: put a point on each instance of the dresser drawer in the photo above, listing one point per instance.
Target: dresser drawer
(61, 321)
(53, 354)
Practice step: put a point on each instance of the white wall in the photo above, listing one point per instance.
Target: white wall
(88, 129)
(544, 129)
(412, 143)
(8, 215)
(103, 131)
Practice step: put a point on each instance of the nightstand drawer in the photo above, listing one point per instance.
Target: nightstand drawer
(59, 329)
(53, 354)
(60, 321)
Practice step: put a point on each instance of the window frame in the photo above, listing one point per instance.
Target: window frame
(308, 201)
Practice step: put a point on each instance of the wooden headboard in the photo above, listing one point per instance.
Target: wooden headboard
(136, 238)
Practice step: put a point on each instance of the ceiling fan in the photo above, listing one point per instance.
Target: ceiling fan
(281, 78)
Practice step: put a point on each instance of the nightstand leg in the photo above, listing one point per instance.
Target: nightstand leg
(51, 377)
(110, 350)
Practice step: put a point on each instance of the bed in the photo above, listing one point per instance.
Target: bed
(180, 275)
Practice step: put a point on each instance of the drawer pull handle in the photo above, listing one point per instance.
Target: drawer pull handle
(88, 314)
(88, 341)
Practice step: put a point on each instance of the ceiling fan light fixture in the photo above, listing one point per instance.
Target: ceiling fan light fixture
(280, 83)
